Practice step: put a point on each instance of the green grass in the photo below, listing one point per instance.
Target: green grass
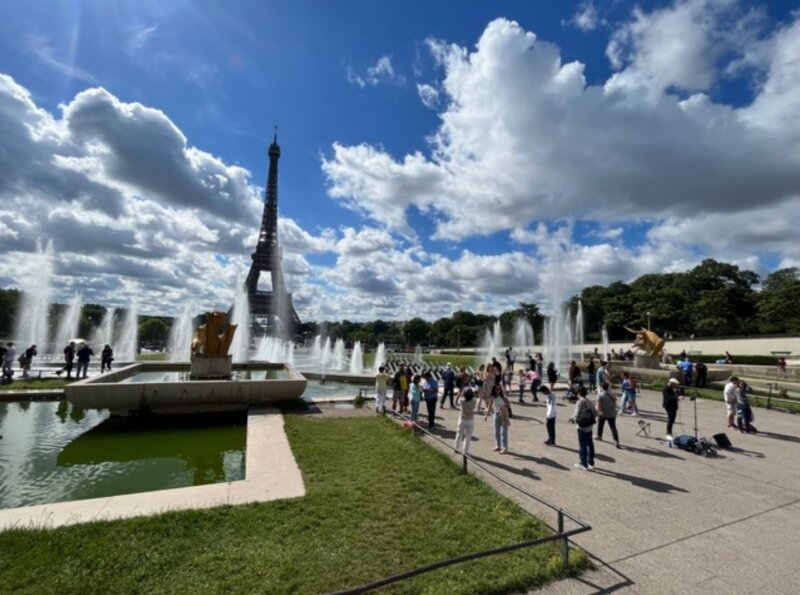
(34, 383)
(378, 502)
(152, 357)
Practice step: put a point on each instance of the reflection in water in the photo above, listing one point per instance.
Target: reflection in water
(51, 452)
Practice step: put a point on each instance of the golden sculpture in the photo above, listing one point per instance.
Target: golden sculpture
(209, 340)
(649, 342)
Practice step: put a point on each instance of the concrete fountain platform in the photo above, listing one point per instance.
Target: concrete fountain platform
(271, 473)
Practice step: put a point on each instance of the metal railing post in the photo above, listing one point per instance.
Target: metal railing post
(464, 463)
(564, 541)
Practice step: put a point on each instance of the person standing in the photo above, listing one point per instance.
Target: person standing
(781, 367)
(466, 420)
(628, 394)
(591, 369)
(552, 375)
(536, 381)
(381, 384)
(397, 387)
(686, 367)
(85, 354)
(744, 416)
(449, 381)
(607, 412)
(601, 376)
(430, 388)
(498, 367)
(69, 358)
(26, 359)
(8, 361)
(106, 357)
(669, 402)
(415, 393)
(552, 414)
(573, 373)
(584, 418)
(700, 374)
(521, 385)
(729, 396)
(500, 408)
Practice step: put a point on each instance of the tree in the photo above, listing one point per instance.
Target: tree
(416, 331)
(777, 305)
(154, 330)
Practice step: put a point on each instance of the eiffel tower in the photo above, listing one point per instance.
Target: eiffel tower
(271, 307)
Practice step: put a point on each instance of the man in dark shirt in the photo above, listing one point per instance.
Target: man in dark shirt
(449, 381)
(669, 402)
(85, 354)
(69, 358)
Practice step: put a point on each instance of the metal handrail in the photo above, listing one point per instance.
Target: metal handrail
(560, 535)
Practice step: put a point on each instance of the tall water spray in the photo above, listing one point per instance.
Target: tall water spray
(606, 350)
(181, 335)
(240, 316)
(380, 357)
(327, 354)
(34, 307)
(492, 343)
(275, 349)
(338, 355)
(104, 333)
(128, 342)
(523, 335)
(69, 322)
(357, 359)
(579, 333)
(316, 349)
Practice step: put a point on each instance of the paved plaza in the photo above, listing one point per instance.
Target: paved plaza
(664, 520)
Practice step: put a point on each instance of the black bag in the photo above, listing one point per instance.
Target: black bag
(722, 440)
(586, 417)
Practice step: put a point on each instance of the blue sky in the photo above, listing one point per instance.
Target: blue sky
(435, 155)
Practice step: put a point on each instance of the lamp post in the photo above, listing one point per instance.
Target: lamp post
(648, 320)
(458, 340)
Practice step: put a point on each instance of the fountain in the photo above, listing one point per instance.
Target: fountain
(128, 341)
(357, 359)
(104, 332)
(606, 351)
(180, 336)
(579, 333)
(492, 343)
(523, 335)
(68, 324)
(240, 318)
(338, 355)
(35, 304)
(316, 349)
(380, 357)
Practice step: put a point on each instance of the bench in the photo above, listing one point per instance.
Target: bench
(781, 353)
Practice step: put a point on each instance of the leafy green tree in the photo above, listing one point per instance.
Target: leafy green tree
(777, 305)
(416, 331)
(154, 330)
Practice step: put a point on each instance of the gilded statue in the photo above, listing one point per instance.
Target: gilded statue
(648, 342)
(214, 337)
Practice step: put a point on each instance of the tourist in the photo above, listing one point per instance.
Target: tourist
(406, 385)
(670, 397)
(430, 388)
(728, 358)
(84, 354)
(729, 396)
(700, 374)
(536, 381)
(601, 376)
(591, 369)
(781, 366)
(686, 367)
(744, 416)
(462, 380)
(629, 390)
(106, 357)
(500, 408)
(498, 368)
(9, 357)
(539, 364)
(584, 418)
(507, 355)
(507, 382)
(573, 373)
(512, 359)
(552, 413)
(449, 381)
(552, 375)
(69, 358)
(381, 383)
(521, 385)
(397, 387)
(607, 412)
(415, 393)
(466, 422)
(26, 359)
(480, 382)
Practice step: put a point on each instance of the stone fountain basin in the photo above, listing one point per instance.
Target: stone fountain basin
(119, 392)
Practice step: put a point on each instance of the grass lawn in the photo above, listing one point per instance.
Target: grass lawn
(152, 357)
(34, 383)
(378, 502)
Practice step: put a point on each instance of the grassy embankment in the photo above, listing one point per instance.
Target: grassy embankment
(364, 516)
(35, 384)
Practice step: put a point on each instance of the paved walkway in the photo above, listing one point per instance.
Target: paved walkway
(271, 474)
(664, 520)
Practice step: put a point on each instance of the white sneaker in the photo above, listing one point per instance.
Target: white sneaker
(590, 467)
(579, 466)
(634, 414)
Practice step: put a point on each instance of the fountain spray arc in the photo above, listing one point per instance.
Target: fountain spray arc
(36, 292)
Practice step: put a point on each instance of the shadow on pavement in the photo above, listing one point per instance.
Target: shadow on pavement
(642, 482)
(655, 452)
(785, 437)
(515, 470)
(542, 461)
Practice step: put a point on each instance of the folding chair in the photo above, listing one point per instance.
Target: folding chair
(644, 428)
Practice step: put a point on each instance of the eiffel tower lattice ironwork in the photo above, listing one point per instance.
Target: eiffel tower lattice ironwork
(273, 305)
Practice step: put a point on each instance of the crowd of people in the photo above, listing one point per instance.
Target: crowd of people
(77, 356)
(491, 389)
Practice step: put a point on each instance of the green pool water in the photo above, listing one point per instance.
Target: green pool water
(52, 452)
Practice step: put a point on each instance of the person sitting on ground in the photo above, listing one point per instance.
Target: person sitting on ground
(729, 396)
(607, 412)
(728, 358)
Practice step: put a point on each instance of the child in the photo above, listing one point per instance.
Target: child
(521, 383)
(552, 413)
(628, 395)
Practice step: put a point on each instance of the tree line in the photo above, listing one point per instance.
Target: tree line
(713, 299)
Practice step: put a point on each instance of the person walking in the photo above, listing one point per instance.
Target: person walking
(449, 381)
(607, 413)
(552, 414)
(536, 381)
(69, 358)
(106, 357)
(415, 396)
(629, 390)
(584, 417)
(26, 359)
(466, 420)
(601, 376)
(729, 396)
(669, 402)
(9, 357)
(500, 409)
(381, 384)
(85, 354)
(430, 389)
(521, 385)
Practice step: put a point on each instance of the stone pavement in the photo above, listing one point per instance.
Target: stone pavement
(664, 520)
